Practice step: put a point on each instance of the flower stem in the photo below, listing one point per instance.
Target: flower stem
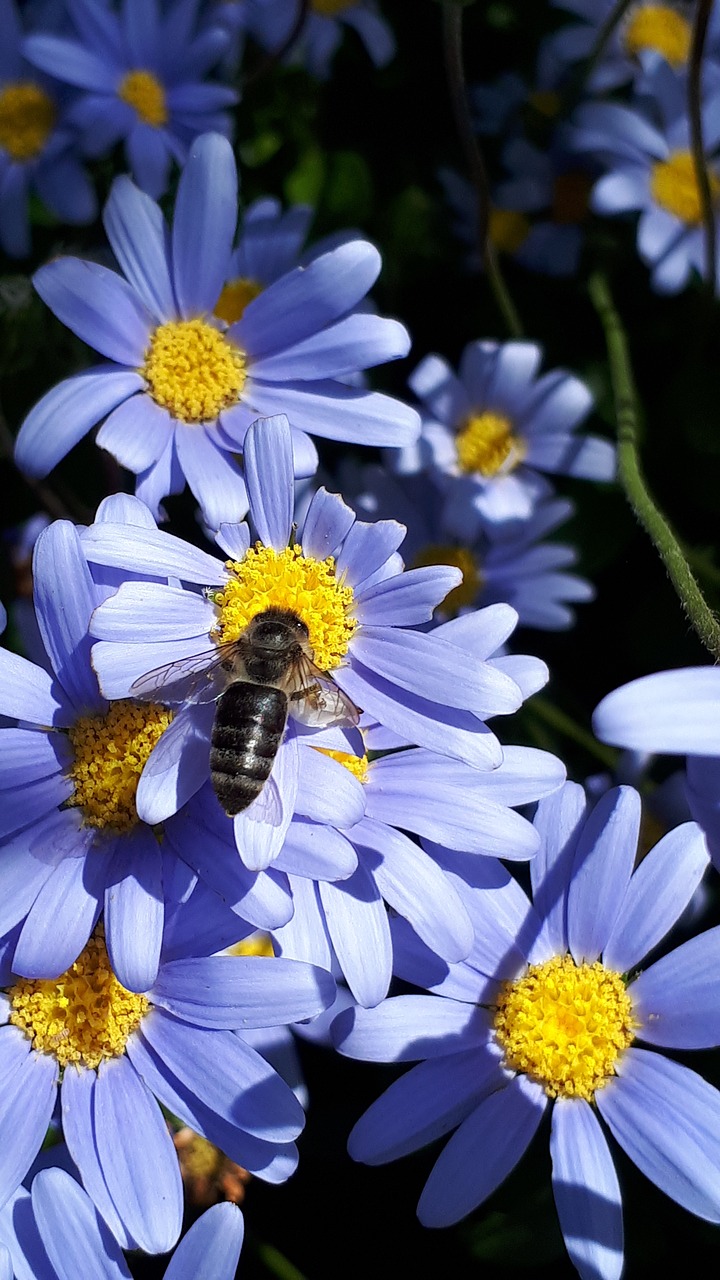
(452, 37)
(633, 481)
(696, 137)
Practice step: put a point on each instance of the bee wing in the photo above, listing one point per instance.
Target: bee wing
(316, 700)
(200, 677)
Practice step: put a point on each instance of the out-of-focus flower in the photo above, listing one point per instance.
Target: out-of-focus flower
(55, 1232)
(651, 169)
(38, 146)
(496, 425)
(542, 1015)
(271, 22)
(142, 74)
(114, 1055)
(181, 388)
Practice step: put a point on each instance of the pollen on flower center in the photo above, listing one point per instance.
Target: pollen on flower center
(256, 944)
(144, 93)
(27, 115)
(661, 29)
(486, 443)
(236, 295)
(673, 184)
(462, 558)
(83, 1016)
(358, 766)
(192, 370)
(269, 579)
(565, 1025)
(110, 754)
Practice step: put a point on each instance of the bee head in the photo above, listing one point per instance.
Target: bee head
(277, 629)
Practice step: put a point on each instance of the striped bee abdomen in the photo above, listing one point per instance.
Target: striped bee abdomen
(249, 725)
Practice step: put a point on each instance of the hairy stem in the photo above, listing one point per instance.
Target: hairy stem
(631, 476)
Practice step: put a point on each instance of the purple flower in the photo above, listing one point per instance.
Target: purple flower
(179, 389)
(345, 580)
(496, 425)
(121, 1054)
(38, 146)
(55, 1233)
(541, 1015)
(271, 21)
(142, 74)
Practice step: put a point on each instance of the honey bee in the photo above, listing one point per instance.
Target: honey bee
(257, 680)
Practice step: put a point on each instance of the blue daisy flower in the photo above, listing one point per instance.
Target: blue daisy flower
(142, 73)
(38, 146)
(541, 1016)
(54, 1232)
(72, 840)
(179, 388)
(113, 1058)
(345, 581)
(496, 425)
(647, 151)
(501, 563)
(271, 22)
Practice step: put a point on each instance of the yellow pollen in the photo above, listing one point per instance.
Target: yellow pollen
(110, 754)
(508, 230)
(358, 766)
(236, 295)
(193, 370)
(144, 93)
(466, 592)
(485, 443)
(200, 1159)
(81, 1017)
(662, 29)
(673, 184)
(269, 579)
(257, 944)
(330, 7)
(565, 1025)
(27, 115)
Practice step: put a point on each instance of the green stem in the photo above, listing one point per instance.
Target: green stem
(702, 176)
(277, 1264)
(454, 62)
(631, 475)
(569, 728)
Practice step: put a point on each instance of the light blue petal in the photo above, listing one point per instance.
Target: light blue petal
(559, 819)
(408, 1028)
(360, 341)
(78, 1242)
(677, 1001)
(134, 912)
(268, 461)
(211, 1248)
(604, 859)
(672, 711)
(67, 412)
(586, 1190)
(246, 991)
(98, 306)
(137, 232)
(62, 917)
(65, 597)
(77, 1097)
(357, 924)
(26, 1107)
(146, 550)
(204, 224)
(136, 432)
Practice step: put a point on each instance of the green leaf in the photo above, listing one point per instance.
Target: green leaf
(306, 181)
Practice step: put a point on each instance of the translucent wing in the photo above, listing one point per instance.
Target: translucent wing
(200, 677)
(316, 700)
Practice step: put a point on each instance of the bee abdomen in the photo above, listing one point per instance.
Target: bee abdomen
(248, 729)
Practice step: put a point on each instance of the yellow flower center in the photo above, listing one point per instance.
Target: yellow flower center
(660, 28)
(83, 1016)
(571, 198)
(508, 229)
(330, 7)
(110, 754)
(192, 370)
(673, 184)
(27, 115)
(357, 765)
(545, 101)
(236, 295)
(257, 944)
(144, 93)
(466, 592)
(486, 444)
(565, 1025)
(269, 579)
